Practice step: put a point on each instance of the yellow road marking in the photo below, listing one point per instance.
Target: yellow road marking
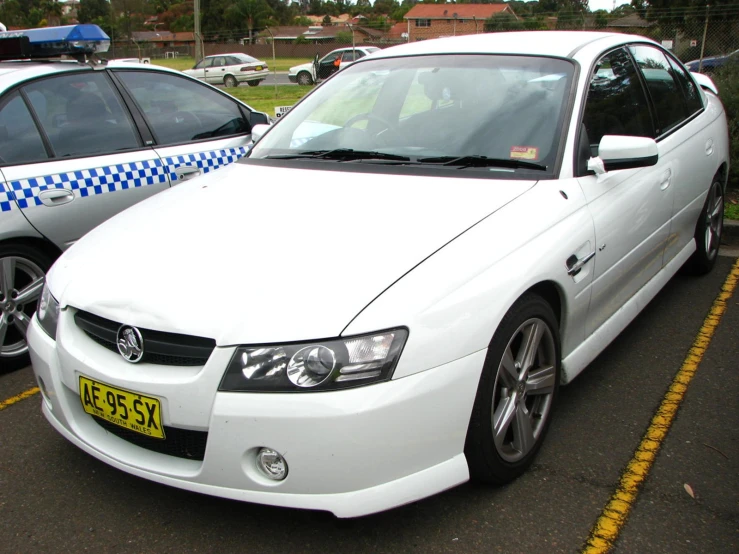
(17, 398)
(604, 533)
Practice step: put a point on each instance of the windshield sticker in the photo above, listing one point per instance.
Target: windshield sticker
(524, 153)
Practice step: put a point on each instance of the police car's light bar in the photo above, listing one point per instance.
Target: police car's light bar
(52, 42)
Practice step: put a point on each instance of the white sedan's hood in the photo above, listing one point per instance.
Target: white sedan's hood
(253, 254)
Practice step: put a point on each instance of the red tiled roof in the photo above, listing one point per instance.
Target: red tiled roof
(463, 11)
(397, 30)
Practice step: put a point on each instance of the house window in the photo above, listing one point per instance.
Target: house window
(423, 23)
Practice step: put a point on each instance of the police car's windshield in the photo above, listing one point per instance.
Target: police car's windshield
(432, 110)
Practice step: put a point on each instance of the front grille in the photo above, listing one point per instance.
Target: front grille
(159, 348)
(182, 443)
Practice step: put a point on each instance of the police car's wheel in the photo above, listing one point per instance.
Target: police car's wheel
(230, 81)
(22, 273)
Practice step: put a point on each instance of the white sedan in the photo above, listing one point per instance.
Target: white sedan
(397, 279)
(230, 70)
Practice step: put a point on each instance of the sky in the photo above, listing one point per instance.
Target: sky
(605, 4)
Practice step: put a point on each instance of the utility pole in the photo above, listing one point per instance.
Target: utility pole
(703, 42)
(198, 37)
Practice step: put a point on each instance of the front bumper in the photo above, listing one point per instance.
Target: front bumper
(351, 452)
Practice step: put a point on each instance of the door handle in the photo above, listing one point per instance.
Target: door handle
(186, 172)
(575, 264)
(56, 197)
(665, 180)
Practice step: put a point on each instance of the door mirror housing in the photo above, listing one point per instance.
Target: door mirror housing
(624, 152)
(258, 118)
(258, 131)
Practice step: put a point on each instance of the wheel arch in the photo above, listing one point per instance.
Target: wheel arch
(553, 295)
(43, 245)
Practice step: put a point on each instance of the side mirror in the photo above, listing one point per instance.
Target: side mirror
(258, 131)
(258, 118)
(704, 81)
(624, 152)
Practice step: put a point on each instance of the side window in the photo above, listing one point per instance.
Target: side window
(360, 54)
(348, 56)
(616, 102)
(230, 60)
(666, 94)
(219, 62)
(205, 62)
(179, 110)
(693, 100)
(20, 140)
(82, 115)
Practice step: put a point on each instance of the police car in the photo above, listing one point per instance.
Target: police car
(81, 140)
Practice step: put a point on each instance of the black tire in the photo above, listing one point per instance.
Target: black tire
(526, 391)
(304, 78)
(708, 231)
(229, 81)
(23, 266)
(254, 83)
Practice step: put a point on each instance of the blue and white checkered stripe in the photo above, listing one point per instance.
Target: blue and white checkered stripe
(6, 200)
(86, 182)
(207, 161)
(100, 180)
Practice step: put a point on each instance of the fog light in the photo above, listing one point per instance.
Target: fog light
(271, 464)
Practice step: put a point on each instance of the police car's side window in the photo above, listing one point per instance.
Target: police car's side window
(20, 141)
(179, 110)
(82, 115)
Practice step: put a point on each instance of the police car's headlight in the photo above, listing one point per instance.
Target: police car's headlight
(315, 366)
(48, 312)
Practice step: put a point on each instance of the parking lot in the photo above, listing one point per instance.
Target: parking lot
(55, 498)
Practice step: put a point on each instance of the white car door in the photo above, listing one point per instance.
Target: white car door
(685, 139)
(84, 161)
(200, 68)
(631, 208)
(196, 129)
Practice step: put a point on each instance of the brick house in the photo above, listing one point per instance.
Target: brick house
(425, 21)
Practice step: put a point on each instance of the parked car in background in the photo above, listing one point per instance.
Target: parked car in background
(712, 62)
(80, 142)
(230, 70)
(317, 70)
(398, 277)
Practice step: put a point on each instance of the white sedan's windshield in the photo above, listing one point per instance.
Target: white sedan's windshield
(431, 109)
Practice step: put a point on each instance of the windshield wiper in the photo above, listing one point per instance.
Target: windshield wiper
(342, 154)
(481, 161)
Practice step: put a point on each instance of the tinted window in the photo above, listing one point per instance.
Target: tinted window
(693, 101)
(616, 103)
(205, 62)
(180, 110)
(19, 138)
(82, 114)
(666, 94)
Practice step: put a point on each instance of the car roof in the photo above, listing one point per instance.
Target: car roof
(14, 72)
(543, 43)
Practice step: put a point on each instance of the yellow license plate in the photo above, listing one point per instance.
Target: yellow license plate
(259, 68)
(131, 410)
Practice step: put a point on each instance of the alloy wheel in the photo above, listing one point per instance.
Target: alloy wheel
(21, 282)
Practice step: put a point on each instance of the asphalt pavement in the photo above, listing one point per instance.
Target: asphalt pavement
(55, 498)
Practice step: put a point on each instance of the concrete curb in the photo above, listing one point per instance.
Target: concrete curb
(731, 229)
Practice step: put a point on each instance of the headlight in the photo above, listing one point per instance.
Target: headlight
(315, 366)
(48, 312)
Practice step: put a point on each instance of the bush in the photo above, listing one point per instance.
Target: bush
(727, 81)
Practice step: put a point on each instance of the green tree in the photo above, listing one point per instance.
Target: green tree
(91, 10)
(502, 22)
(254, 13)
